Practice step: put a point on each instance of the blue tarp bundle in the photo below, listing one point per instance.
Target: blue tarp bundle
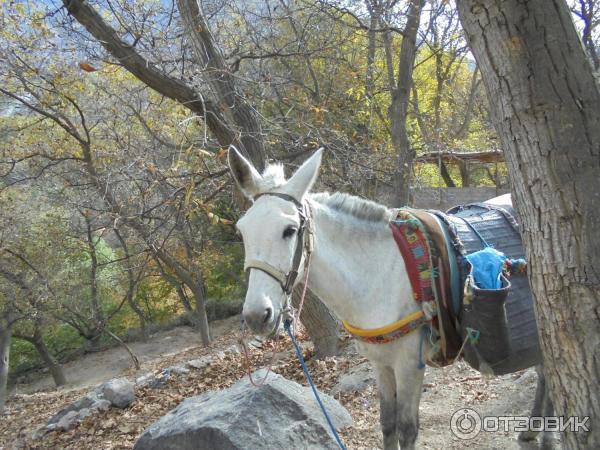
(487, 267)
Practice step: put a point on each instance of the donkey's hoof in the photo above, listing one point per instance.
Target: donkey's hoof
(527, 435)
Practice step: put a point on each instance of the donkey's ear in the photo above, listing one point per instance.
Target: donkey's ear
(244, 173)
(304, 178)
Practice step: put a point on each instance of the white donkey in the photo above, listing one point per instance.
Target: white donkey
(356, 270)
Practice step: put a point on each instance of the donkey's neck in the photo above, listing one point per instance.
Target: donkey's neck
(357, 269)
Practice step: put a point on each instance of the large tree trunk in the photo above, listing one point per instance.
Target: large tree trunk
(50, 361)
(5, 336)
(322, 327)
(546, 109)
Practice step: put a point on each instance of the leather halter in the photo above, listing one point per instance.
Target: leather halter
(304, 242)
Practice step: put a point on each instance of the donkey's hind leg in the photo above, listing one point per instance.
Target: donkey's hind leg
(409, 381)
(386, 382)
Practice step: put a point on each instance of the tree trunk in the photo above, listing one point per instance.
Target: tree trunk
(197, 317)
(446, 175)
(398, 110)
(546, 108)
(322, 327)
(50, 361)
(5, 337)
(465, 176)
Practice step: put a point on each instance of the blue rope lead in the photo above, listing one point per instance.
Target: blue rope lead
(288, 327)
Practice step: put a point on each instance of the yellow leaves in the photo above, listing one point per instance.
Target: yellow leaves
(215, 220)
(319, 110)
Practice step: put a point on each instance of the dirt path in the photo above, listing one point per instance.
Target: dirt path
(95, 368)
(446, 391)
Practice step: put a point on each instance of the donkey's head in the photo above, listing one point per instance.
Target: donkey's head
(274, 234)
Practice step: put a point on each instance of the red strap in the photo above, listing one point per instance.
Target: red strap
(411, 267)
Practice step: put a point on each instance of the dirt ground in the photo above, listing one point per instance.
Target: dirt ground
(95, 368)
(446, 391)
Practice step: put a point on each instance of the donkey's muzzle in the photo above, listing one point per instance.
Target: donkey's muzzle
(259, 320)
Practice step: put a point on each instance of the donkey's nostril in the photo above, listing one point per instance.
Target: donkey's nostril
(267, 316)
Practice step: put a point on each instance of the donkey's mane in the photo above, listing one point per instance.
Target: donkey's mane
(365, 210)
(356, 207)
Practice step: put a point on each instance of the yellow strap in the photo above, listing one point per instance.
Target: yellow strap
(383, 330)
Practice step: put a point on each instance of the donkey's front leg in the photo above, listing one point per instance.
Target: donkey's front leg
(409, 385)
(386, 382)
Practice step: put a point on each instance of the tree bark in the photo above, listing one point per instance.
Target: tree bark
(5, 337)
(398, 110)
(218, 75)
(546, 109)
(322, 326)
(50, 361)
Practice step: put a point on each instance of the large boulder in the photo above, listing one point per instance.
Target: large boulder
(279, 414)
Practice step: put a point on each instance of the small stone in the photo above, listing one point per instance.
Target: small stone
(119, 392)
(41, 432)
(199, 364)
(68, 421)
(83, 413)
(102, 405)
(232, 349)
(144, 380)
(357, 379)
(179, 370)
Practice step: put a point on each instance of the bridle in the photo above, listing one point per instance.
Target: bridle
(304, 247)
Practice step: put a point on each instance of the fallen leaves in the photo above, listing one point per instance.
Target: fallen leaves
(87, 67)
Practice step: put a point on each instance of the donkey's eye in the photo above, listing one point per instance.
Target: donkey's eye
(289, 232)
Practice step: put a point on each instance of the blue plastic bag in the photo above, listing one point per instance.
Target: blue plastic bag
(487, 267)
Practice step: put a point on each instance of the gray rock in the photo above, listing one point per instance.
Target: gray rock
(67, 421)
(200, 363)
(357, 379)
(119, 392)
(88, 401)
(144, 380)
(154, 381)
(232, 349)
(83, 413)
(280, 414)
(101, 405)
(179, 370)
